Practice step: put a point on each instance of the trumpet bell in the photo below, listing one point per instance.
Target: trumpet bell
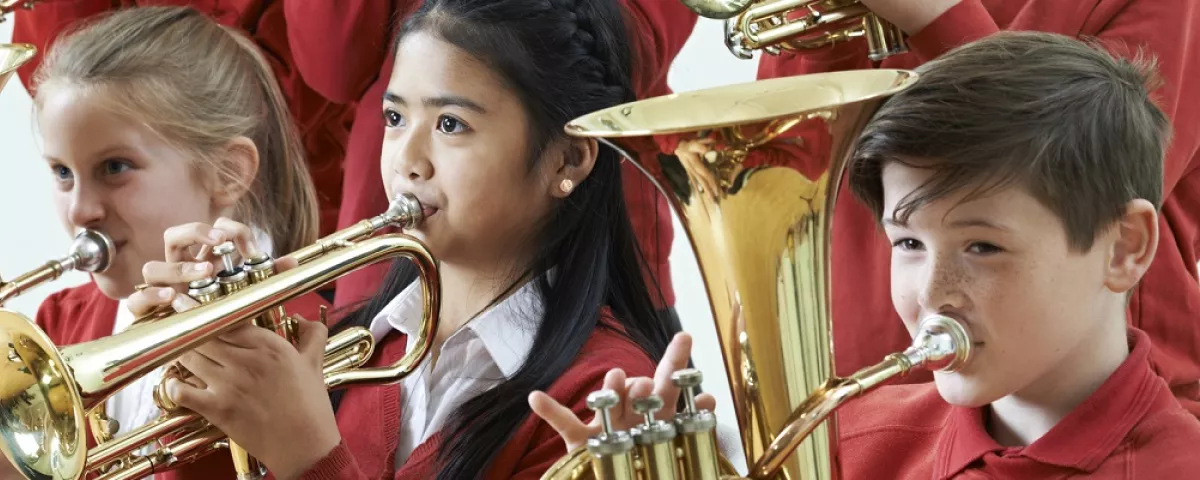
(12, 56)
(43, 424)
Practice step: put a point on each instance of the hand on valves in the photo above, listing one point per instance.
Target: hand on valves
(251, 383)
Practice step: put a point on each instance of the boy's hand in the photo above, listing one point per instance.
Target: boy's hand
(575, 433)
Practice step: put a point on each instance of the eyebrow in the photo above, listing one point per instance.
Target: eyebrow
(440, 101)
(960, 223)
(103, 154)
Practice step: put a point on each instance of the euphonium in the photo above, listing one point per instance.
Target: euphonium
(754, 181)
(47, 394)
(91, 251)
(775, 25)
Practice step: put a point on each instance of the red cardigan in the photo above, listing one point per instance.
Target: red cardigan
(369, 419)
(324, 125)
(867, 327)
(343, 51)
(83, 313)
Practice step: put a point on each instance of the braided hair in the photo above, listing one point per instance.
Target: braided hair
(562, 59)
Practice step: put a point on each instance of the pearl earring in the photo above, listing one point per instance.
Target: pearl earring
(566, 185)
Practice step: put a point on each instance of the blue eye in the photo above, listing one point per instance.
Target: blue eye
(61, 173)
(392, 118)
(448, 124)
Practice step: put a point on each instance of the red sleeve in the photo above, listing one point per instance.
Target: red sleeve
(659, 30)
(961, 24)
(340, 47)
(43, 24)
(339, 464)
(1169, 31)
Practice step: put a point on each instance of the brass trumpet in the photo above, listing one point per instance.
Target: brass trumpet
(776, 25)
(91, 251)
(754, 182)
(47, 393)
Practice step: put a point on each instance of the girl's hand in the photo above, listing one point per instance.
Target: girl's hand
(189, 258)
(575, 433)
(265, 394)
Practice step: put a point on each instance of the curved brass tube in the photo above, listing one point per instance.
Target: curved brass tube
(92, 251)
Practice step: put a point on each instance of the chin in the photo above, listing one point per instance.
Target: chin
(962, 390)
(112, 287)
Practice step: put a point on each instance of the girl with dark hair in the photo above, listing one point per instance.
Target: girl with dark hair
(542, 279)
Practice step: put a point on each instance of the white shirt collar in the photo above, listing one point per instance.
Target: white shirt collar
(507, 329)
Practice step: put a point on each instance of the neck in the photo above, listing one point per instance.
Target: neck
(1023, 417)
(467, 291)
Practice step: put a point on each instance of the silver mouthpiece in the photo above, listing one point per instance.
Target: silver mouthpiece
(92, 251)
(941, 344)
(404, 212)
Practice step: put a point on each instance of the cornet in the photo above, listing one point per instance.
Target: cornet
(777, 25)
(757, 205)
(48, 394)
(91, 251)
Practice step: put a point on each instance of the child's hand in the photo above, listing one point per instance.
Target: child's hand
(575, 433)
(265, 395)
(189, 258)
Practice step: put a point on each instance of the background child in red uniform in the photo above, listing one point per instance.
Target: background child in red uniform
(1164, 302)
(341, 50)
(323, 124)
(1019, 182)
(542, 288)
(154, 117)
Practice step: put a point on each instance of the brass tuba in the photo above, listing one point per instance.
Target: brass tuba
(91, 251)
(754, 181)
(48, 394)
(777, 25)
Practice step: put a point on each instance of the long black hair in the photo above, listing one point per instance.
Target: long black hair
(563, 59)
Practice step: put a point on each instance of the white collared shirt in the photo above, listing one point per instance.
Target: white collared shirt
(483, 353)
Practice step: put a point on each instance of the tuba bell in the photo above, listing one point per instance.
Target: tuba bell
(49, 395)
(754, 180)
(777, 25)
(92, 251)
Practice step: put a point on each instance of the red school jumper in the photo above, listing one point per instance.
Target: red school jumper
(324, 125)
(1166, 302)
(343, 50)
(369, 419)
(83, 313)
(1129, 428)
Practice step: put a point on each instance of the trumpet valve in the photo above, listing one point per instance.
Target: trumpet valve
(612, 450)
(696, 429)
(655, 441)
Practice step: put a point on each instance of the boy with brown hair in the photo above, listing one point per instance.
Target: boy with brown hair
(1019, 183)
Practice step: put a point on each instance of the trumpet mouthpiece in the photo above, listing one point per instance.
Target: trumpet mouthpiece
(404, 211)
(943, 342)
(93, 251)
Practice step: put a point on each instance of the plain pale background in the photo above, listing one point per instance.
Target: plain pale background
(31, 234)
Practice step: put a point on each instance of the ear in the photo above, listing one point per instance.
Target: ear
(240, 157)
(572, 165)
(1134, 247)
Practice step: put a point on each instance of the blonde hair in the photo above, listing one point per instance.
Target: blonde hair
(198, 85)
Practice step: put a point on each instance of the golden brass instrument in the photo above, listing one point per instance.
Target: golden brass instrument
(46, 393)
(91, 251)
(756, 203)
(776, 25)
(10, 6)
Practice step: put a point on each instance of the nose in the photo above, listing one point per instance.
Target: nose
(943, 285)
(85, 209)
(410, 156)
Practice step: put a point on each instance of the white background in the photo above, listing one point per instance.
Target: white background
(30, 232)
